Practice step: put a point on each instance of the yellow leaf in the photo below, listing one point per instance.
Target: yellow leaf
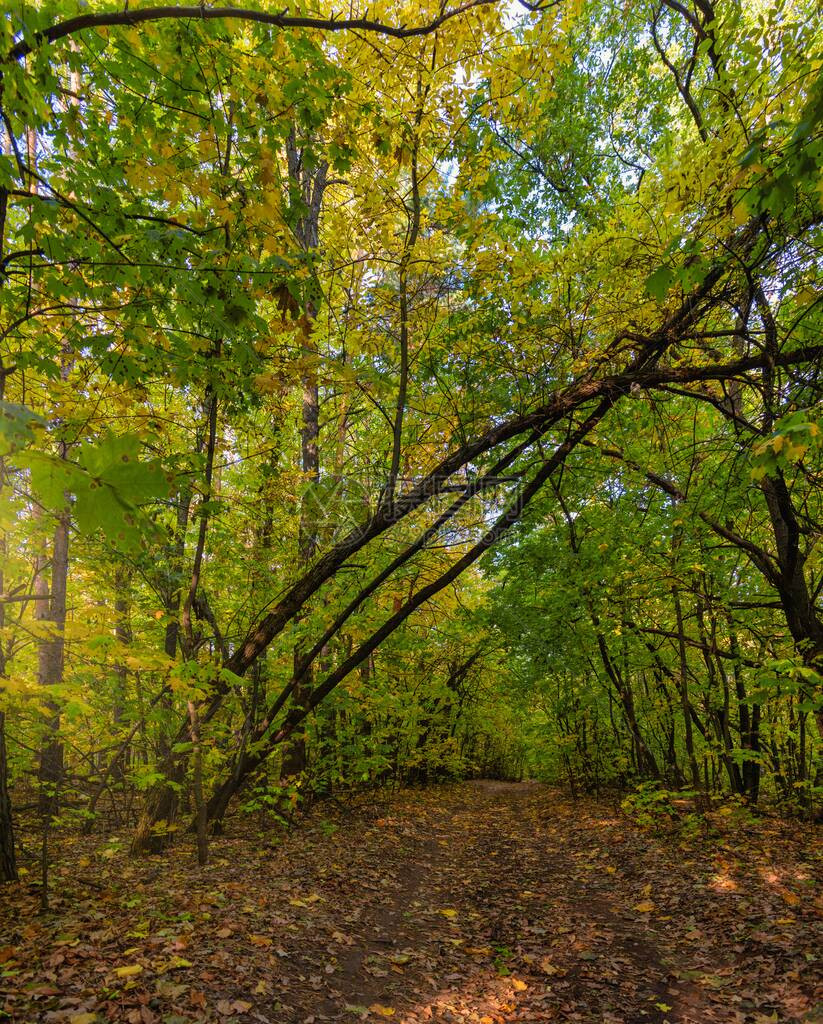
(645, 907)
(449, 913)
(83, 1018)
(131, 971)
(177, 963)
(519, 986)
(260, 940)
(382, 1011)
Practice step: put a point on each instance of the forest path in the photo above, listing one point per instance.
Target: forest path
(482, 902)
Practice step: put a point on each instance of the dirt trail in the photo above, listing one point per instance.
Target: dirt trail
(495, 920)
(484, 902)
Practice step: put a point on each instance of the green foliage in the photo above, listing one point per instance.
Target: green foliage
(292, 327)
(651, 805)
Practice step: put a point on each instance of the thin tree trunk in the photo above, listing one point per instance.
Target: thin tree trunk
(684, 697)
(159, 811)
(51, 651)
(197, 780)
(52, 610)
(8, 863)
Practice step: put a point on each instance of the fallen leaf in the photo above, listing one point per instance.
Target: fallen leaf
(644, 907)
(448, 912)
(130, 971)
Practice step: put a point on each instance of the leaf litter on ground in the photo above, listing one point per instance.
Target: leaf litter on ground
(482, 903)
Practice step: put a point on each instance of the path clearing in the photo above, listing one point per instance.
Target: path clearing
(483, 902)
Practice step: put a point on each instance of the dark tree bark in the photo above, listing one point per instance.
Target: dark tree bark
(160, 805)
(8, 863)
(219, 801)
(309, 184)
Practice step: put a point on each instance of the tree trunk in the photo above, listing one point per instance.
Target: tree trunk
(310, 184)
(159, 812)
(197, 784)
(51, 652)
(8, 864)
(684, 698)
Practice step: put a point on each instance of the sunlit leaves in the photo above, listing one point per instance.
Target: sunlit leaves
(103, 487)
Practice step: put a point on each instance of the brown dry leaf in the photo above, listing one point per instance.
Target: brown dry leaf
(83, 1018)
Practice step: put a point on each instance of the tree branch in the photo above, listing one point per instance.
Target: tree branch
(282, 20)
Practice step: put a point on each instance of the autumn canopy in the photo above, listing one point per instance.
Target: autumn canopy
(401, 393)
